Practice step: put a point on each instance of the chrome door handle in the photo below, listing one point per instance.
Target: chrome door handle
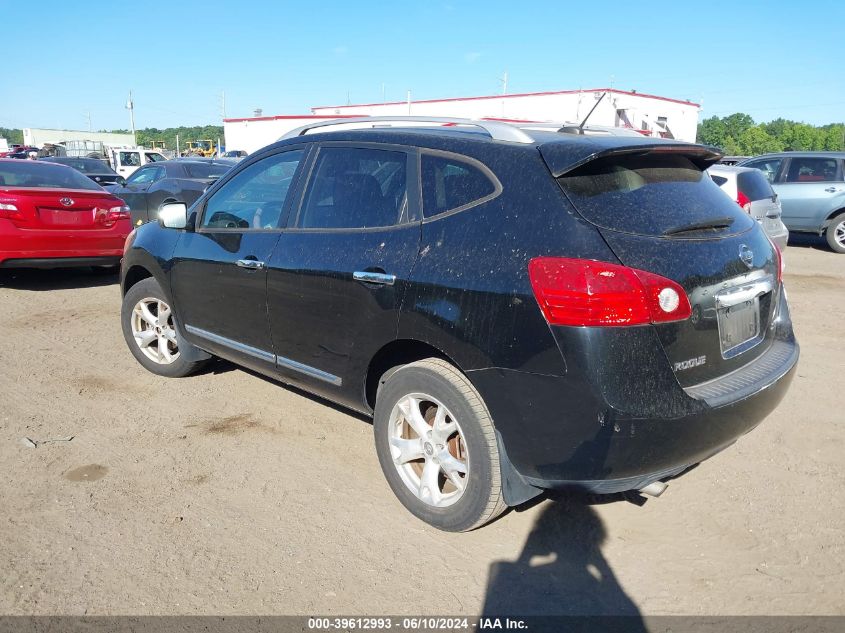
(831, 189)
(251, 264)
(374, 278)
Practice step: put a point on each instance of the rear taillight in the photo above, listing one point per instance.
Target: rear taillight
(9, 210)
(779, 257)
(581, 292)
(112, 215)
(743, 201)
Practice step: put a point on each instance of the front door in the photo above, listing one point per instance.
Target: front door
(338, 274)
(219, 275)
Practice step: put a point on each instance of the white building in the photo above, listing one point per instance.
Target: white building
(37, 137)
(650, 114)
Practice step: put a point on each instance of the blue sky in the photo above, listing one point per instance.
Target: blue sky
(768, 59)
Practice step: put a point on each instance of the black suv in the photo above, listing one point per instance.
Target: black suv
(518, 310)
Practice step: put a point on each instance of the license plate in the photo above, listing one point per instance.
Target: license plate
(738, 324)
(65, 217)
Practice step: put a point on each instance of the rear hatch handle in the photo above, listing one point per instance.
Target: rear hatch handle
(744, 293)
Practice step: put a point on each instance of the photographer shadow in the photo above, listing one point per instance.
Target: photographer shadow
(561, 571)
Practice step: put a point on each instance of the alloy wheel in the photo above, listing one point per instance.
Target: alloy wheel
(428, 450)
(153, 330)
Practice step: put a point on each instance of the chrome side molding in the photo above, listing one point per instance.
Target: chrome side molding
(269, 357)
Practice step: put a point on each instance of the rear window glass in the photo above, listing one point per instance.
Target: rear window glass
(649, 194)
(86, 165)
(811, 170)
(754, 185)
(28, 173)
(450, 184)
(205, 170)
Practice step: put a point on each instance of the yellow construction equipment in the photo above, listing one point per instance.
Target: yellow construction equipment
(203, 147)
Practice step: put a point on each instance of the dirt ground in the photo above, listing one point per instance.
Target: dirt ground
(226, 493)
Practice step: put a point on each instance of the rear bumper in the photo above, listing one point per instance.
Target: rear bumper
(620, 424)
(38, 246)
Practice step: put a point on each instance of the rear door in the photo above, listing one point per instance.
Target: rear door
(809, 189)
(338, 274)
(660, 213)
(219, 273)
(762, 203)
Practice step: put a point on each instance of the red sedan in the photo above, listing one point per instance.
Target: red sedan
(51, 215)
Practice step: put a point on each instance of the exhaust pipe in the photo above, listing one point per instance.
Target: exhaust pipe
(654, 489)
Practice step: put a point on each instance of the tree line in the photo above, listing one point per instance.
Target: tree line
(739, 135)
(146, 136)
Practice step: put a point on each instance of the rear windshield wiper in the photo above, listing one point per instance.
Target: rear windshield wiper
(711, 224)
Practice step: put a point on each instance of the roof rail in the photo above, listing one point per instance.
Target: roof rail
(497, 130)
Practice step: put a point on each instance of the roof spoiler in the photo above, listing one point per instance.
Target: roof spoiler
(564, 158)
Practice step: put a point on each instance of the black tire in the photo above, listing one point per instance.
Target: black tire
(178, 366)
(835, 234)
(481, 500)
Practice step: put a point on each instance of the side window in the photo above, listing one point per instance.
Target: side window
(146, 175)
(769, 167)
(450, 184)
(254, 198)
(354, 188)
(130, 159)
(812, 170)
(155, 158)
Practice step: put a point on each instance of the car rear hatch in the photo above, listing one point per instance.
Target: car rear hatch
(659, 212)
(758, 198)
(62, 209)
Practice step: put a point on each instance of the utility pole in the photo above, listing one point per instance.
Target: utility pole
(131, 107)
(88, 116)
(409, 103)
(223, 104)
(504, 80)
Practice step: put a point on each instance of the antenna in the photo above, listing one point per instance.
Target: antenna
(598, 101)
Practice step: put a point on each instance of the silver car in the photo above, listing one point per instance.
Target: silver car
(811, 188)
(752, 191)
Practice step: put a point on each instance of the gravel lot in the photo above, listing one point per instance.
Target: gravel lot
(225, 493)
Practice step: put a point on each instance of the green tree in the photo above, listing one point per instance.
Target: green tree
(12, 135)
(756, 140)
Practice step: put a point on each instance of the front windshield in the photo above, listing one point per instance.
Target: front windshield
(43, 175)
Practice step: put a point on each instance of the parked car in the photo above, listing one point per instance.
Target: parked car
(22, 152)
(237, 154)
(53, 216)
(512, 307)
(16, 148)
(160, 183)
(750, 189)
(811, 189)
(94, 168)
(731, 160)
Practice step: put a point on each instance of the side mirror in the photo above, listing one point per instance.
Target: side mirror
(121, 181)
(173, 215)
